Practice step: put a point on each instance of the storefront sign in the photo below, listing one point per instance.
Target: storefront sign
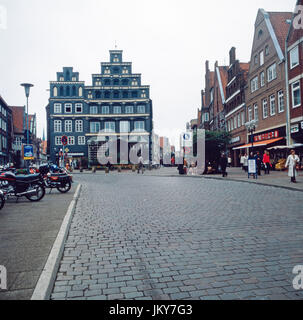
(80, 154)
(294, 129)
(234, 140)
(28, 152)
(266, 136)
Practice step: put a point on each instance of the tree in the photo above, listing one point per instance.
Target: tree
(215, 143)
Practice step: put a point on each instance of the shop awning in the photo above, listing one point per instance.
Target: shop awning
(259, 144)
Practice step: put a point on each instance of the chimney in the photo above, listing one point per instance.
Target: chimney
(232, 56)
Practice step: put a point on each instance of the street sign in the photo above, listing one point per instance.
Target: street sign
(28, 152)
(187, 139)
(64, 140)
(252, 168)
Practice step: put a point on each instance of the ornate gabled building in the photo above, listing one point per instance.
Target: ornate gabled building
(116, 104)
(266, 90)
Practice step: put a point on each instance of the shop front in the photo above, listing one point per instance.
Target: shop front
(233, 150)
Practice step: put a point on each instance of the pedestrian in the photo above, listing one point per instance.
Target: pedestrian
(266, 162)
(140, 165)
(292, 164)
(229, 161)
(242, 161)
(223, 164)
(259, 163)
(245, 162)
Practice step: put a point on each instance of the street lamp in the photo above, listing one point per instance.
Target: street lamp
(251, 128)
(27, 87)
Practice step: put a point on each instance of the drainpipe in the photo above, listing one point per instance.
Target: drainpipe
(288, 135)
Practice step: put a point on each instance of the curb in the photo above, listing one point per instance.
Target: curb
(47, 278)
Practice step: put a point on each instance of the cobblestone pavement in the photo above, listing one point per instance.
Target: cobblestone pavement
(144, 237)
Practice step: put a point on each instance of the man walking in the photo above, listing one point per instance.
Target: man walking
(223, 165)
(259, 163)
(140, 165)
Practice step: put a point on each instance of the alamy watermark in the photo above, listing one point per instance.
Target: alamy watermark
(136, 147)
(298, 280)
(3, 17)
(298, 19)
(3, 278)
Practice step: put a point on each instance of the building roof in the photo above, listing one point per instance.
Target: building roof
(280, 26)
(18, 119)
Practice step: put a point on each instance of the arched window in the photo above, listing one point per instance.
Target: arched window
(125, 82)
(260, 33)
(74, 91)
(61, 91)
(116, 82)
(80, 91)
(107, 82)
(116, 70)
(116, 94)
(67, 91)
(125, 94)
(55, 92)
(107, 94)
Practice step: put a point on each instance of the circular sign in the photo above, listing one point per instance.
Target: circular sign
(187, 150)
(64, 140)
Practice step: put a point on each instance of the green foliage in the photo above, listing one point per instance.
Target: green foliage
(215, 143)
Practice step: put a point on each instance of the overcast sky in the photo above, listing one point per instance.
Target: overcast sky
(168, 42)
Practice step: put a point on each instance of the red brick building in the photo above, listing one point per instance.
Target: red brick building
(295, 79)
(266, 89)
(235, 107)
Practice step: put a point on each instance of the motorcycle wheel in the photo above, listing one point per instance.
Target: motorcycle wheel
(66, 188)
(2, 201)
(40, 189)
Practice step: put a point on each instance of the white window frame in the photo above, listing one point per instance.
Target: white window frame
(142, 107)
(261, 58)
(272, 105)
(81, 140)
(281, 102)
(265, 108)
(109, 126)
(95, 124)
(129, 108)
(293, 89)
(68, 105)
(117, 108)
(139, 126)
(254, 84)
(58, 140)
(71, 140)
(68, 126)
(272, 72)
(95, 108)
(79, 125)
(262, 78)
(57, 108)
(249, 113)
(57, 126)
(243, 118)
(294, 58)
(122, 126)
(105, 108)
(79, 105)
(256, 112)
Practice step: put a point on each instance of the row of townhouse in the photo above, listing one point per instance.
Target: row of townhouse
(267, 91)
(13, 133)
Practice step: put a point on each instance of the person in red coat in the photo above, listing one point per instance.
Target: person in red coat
(266, 162)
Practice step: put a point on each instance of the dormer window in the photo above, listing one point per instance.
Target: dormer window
(116, 59)
(143, 94)
(260, 34)
(74, 79)
(107, 70)
(134, 82)
(125, 70)
(61, 79)
(89, 96)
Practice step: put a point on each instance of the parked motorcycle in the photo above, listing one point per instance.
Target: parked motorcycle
(29, 186)
(55, 177)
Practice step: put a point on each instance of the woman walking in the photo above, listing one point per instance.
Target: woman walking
(291, 163)
(266, 162)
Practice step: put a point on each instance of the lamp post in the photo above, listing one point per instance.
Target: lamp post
(27, 87)
(251, 128)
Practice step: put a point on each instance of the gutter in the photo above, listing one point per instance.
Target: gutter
(288, 135)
